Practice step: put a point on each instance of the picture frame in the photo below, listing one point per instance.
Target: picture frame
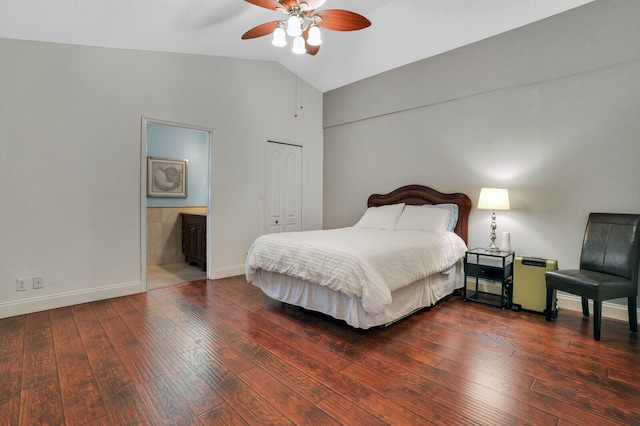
(167, 177)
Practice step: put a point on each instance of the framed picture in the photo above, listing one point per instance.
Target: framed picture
(166, 177)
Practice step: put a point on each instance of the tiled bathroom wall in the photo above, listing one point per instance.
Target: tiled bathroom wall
(164, 234)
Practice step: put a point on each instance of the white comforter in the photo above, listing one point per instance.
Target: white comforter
(366, 263)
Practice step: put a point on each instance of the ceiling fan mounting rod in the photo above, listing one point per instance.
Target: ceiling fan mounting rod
(301, 13)
(296, 11)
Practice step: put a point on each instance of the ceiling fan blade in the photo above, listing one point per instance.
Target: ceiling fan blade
(267, 4)
(261, 30)
(311, 50)
(341, 20)
(289, 3)
(313, 4)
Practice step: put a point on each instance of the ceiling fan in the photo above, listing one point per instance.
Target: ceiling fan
(303, 22)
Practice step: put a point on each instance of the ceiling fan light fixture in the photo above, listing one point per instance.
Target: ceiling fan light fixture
(314, 38)
(294, 26)
(298, 46)
(302, 22)
(279, 37)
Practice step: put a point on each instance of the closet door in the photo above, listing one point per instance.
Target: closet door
(282, 187)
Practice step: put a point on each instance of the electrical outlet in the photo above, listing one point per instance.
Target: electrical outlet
(38, 282)
(21, 284)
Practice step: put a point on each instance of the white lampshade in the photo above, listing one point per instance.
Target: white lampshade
(279, 37)
(314, 38)
(298, 45)
(294, 26)
(494, 199)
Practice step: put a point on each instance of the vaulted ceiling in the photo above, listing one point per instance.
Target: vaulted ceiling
(402, 31)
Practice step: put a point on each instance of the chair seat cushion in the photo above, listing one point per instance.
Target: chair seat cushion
(589, 284)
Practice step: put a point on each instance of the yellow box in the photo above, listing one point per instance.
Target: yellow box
(529, 285)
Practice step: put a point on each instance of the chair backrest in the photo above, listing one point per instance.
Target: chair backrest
(612, 245)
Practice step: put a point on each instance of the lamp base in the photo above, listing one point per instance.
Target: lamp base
(493, 226)
(492, 247)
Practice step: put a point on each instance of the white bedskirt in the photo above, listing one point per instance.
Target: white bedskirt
(314, 297)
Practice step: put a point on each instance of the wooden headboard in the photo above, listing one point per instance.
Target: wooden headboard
(417, 195)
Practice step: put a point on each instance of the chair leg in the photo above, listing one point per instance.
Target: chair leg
(597, 318)
(585, 306)
(547, 311)
(633, 313)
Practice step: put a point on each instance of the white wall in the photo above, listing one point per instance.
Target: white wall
(70, 144)
(550, 111)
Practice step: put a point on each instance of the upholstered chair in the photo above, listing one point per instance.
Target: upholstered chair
(609, 265)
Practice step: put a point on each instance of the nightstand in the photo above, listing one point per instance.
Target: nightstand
(489, 268)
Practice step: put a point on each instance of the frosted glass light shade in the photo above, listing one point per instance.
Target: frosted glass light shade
(279, 37)
(294, 26)
(494, 199)
(298, 45)
(314, 38)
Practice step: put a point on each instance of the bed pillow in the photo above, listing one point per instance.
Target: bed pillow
(383, 217)
(423, 218)
(453, 214)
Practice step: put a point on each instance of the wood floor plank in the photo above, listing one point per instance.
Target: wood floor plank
(276, 335)
(505, 399)
(358, 393)
(547, 364)
(285, 399)
(591, 403)
(40, 398)
(42, 404)
(121, 399)
(415, 400)
(168, 354)
(251, 406)
(10, 409)
(143, 318)
(221, 352)
(262, 357)
(165, 402)
(222, 415)
(81, 398)
(140, 366)
(12, 340)
(626, 377)
(541, 373)
(347, 412)
(12, 334)
(126, 407)
(39, 363)
(63, 325)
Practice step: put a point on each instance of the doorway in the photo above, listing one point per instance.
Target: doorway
(162, 258)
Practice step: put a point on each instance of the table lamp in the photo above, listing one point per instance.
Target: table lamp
(493, 199)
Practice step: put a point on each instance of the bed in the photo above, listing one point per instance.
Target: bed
(404, 254)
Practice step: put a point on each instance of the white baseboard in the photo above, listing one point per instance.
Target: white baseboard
(567, 301)
(36, 304)
(229, 271)
(60, 300)
(609, 310)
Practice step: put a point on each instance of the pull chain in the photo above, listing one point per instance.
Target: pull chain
(295, 103)
(298, 91)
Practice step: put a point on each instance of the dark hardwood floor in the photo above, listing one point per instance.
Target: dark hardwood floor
(220, 352)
